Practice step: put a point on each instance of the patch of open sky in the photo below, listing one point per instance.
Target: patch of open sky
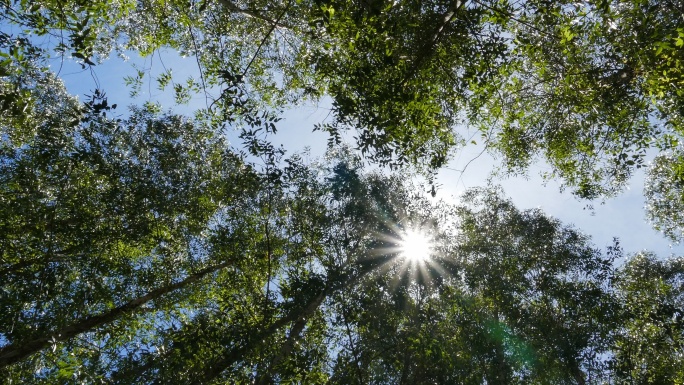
(622, 216)
(294, 132)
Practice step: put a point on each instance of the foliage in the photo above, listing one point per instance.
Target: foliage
(648, 342)
(561, 82)
(161, 256)
(95, 213)
(664, 194)
(536, 275)
(143, 248)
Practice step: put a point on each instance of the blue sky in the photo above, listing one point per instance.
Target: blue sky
(621, 217)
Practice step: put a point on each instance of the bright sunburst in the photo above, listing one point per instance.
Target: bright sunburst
(415, 253)
(415, 246)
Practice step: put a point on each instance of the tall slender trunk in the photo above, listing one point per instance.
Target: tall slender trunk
(577, 373)
(236, 354)
(19, 350)
(293, 337)
(357, 359)
(428, 49)
(406, 367)
(500, 372)
(299, 316)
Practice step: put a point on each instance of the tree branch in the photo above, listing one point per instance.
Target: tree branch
(229, 5)
(17, 351)
(429, 46)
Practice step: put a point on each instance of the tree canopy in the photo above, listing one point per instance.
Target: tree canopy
(588, 87)
(140, 246)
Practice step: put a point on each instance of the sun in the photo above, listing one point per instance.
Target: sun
(415, 246)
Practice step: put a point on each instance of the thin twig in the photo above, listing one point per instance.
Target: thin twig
(199, 66)
(512, 17)
(268, 34)
(253, 14)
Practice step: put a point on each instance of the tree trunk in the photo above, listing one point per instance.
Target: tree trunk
(295, 335)
(234, 355)
(297, 316)
(17, 351)
(428, 48)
